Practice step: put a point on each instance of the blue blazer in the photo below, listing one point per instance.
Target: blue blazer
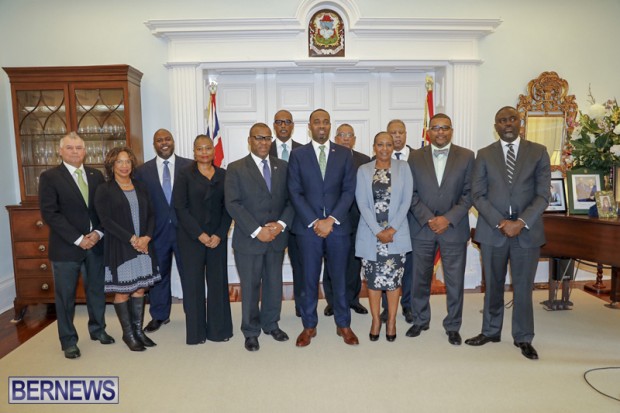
(400, 202)
(316, 198)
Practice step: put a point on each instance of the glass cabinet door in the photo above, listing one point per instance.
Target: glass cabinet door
(101, 121)
(42, 120)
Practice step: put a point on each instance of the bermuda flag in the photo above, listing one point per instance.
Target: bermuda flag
(429, 110)
(213, 128)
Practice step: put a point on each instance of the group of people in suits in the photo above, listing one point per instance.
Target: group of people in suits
(328, 205)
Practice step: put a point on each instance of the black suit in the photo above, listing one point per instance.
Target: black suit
(65, 212)
(164, 237)
(199, 204)
(252, 205)
(354, 265)
(293, 248)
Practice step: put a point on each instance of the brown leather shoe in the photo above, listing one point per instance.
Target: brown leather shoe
(305, 337)
(348, 335)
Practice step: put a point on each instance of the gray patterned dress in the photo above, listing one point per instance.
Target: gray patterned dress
(386, 272)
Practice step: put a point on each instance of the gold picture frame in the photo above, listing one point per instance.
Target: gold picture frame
(606, 204)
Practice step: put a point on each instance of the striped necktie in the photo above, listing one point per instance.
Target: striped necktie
(322, 160)
(511, 161)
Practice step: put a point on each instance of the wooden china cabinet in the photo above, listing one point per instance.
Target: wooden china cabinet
(100, 103)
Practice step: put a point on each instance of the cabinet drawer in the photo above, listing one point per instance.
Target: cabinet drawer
(36, 287)
(33, 266)
(28, 225)
(30, 249)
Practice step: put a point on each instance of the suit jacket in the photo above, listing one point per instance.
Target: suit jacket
(451, 199)
(251, 205)
(164, 212)
(528, 195)
(400, 202)
(63, 209)
(316, 198)
(273, 151)
(199, 203)
(359, 159)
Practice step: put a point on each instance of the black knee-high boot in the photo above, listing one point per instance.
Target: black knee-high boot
(124, 316)
(137, 319)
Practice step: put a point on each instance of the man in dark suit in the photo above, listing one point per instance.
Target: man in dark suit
(397, 129)
(158, 175)
(439, 219)
(257, 199)
(510, 189)
(66, 196)
(281, 148)
(345, 136)
(321, 183)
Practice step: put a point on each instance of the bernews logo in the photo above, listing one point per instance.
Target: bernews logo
(63, 390)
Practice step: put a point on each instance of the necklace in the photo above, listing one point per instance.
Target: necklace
(124, 185)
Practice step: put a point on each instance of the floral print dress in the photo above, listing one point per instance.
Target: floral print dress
(386, 272)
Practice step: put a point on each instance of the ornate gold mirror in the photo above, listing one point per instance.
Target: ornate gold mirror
(548, 114)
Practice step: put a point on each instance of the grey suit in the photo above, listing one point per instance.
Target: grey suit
(259, 264)
(494, 197)
(452, 200)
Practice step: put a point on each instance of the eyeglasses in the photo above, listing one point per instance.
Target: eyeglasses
(444, 128)
(281, 122)
(346, 135)
(262, 138)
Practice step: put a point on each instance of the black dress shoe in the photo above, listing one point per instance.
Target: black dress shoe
(277, 334)
(103, 338)
(72, 352)
(481, 339)
(408, 315)
(329, 311)
(527, 350)
(251, 344)
(415, 330)
(384, 315)
(358, 308)
(454, 338)
(154, 325)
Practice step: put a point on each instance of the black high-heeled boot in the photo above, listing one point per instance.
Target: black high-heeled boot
(124, 316)
(137, 319)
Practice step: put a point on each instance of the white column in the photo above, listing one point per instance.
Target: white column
(185, 88)
(465, 102)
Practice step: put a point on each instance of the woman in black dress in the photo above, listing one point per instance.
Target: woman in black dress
(202, 237)
(125, 212)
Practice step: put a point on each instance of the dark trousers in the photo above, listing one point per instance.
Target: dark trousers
(353, 280)
(453, 257)
(261, 280)
(523, 264)
(298, 275)
(313, 249)
(213, 321)
(66, 275)
(160, 298)
(407, 282)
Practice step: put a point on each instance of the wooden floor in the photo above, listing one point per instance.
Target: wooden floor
(39, 316)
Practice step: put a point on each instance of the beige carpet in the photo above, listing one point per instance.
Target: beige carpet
(424, 374)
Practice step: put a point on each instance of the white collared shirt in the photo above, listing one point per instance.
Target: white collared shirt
(515, 146)
(279, 149)
(160, 169)
(404, 153)
(72, 170)
(439, 162)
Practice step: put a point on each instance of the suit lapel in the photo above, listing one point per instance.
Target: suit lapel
(453, 158)
(64, 172)
(276, 174)
(500, 159)
(255, 174)
(332, 162)
(428, 162)
(522, 155)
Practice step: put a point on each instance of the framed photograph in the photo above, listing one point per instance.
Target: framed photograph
(582, 186)
(557, 200)
(606, 204)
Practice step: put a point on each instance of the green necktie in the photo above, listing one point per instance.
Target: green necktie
(322, 160)
(82, 185)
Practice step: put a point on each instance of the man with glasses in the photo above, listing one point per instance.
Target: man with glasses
(321, 183)
(440, 219)
(257, 199)
(345, 136)
(281, 148)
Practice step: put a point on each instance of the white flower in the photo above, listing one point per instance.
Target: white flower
(596, 111)
(576, 133)
(592, 137)
(570, 159)
(615, 149)
(617, 129)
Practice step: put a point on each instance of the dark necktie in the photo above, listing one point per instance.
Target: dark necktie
(397, 155)
(511, 161)
(166, 183)
(267, 174)
(437, 152)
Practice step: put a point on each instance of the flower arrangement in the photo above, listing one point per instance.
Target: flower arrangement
(595, 141)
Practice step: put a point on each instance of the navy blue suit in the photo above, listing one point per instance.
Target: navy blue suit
(164, 237)
(316, 198)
